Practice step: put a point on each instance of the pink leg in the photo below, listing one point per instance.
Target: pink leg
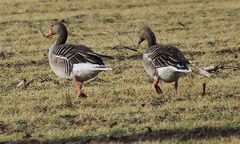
(176, 87)
(157, 88)
(78, 85)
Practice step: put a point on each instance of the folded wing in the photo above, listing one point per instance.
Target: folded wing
(162, 56)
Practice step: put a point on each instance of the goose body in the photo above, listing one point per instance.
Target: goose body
(162, 62)
(75, 62)
(68, 61)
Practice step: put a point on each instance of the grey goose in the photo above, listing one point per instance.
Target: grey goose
(162, 62)
(74, 62)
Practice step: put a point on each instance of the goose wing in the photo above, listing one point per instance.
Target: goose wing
(165, 55)
(75, 54)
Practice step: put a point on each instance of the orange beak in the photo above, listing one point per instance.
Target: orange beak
(49, 34)
(140, 40)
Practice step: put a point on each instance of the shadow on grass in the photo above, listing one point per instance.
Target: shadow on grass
(165, 134)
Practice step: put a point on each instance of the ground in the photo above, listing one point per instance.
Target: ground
(122, 105)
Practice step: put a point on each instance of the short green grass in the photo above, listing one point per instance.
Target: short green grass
(122, 103)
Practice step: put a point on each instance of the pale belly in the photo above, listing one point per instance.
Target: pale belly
(58, 67)
(168, 74)
(85, 71)
(148, 67)
(59, 72)
(84, 76)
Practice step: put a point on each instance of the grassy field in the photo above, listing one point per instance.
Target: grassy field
(122, 105)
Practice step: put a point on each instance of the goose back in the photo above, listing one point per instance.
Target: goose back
(63, 57)
(165, 55)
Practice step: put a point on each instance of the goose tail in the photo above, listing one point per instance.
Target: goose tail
(183, 69)
(90, 67)
(102, 68)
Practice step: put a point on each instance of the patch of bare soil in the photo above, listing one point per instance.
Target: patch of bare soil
(5, 55)
(3, 127)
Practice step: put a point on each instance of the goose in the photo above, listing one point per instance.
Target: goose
(162, 62)
(77, 63)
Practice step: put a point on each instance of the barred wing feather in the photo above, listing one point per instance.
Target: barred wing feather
(77, 54)
(162, 56)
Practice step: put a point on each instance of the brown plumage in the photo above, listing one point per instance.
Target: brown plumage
(166, 55)
(162, 62)
(75, 62)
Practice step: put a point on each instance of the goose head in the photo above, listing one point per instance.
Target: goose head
(146, 33)
(58, 28)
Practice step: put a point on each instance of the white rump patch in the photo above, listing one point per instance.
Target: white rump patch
(170, 73)
(88, 67)
(86, 71)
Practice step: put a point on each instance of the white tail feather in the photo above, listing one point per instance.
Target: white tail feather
(170, 73)
(183, 70)
(90, 67)
(86, 71)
